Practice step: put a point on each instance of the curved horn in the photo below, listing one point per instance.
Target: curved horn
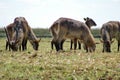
(7, 35)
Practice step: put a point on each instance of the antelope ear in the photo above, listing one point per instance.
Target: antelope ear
(101, 40)
(85, 19)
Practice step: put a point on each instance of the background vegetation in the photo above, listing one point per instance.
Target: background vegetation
(47, 64)
(40, 32)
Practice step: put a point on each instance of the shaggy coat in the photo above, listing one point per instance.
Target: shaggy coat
(21, 23)
(89, 22)
(64, 28)
(109, 31)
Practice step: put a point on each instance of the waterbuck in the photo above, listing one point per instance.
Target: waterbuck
(29, 35)
(9, 30)
(64, 28)
(109, 31)
(21, 22)
(89, 22)
(16, 40)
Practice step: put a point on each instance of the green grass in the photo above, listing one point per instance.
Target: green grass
(44, 32)
(47, 64)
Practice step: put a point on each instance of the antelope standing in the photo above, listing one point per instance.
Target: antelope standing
(20, 22)
(109, 31)
(64, 28)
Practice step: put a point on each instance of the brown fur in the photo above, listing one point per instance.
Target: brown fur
(17, 39)
(64, 28)
(89, 22)
(21, 22)
(29, 34)
(9, 32)
(109, 31)
(33, 39)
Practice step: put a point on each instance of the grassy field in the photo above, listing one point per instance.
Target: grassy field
(47, 64)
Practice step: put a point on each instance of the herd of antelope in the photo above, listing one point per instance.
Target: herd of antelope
(19, 32)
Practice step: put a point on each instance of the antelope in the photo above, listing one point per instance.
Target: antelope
(21, 22)
(16, 40)
(89, 22)
(109, 31)
(64, 28)
(29, 35)
(9, 30)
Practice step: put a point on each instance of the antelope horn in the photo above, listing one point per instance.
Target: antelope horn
(7, 35)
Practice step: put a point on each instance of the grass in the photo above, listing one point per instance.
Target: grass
(47, 64)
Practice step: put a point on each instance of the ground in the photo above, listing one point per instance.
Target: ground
(47, 64)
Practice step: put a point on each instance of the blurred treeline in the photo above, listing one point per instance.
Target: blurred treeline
(42, 32)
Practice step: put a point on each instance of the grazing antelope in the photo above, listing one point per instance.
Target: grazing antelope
(20, 22)
(89, 22)
(33, 39)
(9, 30)
(16, 40)
(109, 31)
(13, 29)
(64, 28)
(29, 35)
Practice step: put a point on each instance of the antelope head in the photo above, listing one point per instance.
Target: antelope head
(35, 43)
(107, 45)
(19, 20)
(90, 22)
